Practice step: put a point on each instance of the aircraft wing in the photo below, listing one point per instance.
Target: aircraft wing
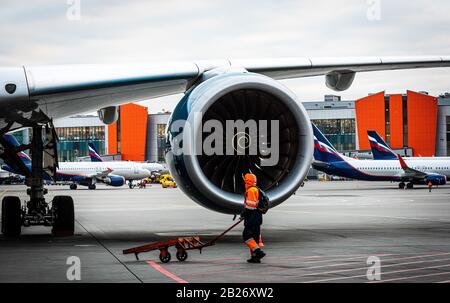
(100, 175)
(65, 90)
(410, 172)
(104, 173)
(304, 67)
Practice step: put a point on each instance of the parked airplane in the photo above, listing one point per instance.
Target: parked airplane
(330, 161)
(382, 151)
(236, 89)
(151, 167)
(85, 173)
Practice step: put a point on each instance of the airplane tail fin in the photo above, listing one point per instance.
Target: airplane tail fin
(93, 153)
(380, 150)
(323, 149)
(13, 142)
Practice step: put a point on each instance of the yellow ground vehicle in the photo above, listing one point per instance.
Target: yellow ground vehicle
(167, 181)
(154, 178)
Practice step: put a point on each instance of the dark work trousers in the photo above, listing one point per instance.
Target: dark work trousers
(252, 225)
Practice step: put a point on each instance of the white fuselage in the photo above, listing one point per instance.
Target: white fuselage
(392, 168)
(151, 166)
(128, 170)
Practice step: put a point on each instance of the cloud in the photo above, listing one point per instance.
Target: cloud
(140, 31)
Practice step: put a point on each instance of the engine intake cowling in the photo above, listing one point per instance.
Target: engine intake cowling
(254, 102)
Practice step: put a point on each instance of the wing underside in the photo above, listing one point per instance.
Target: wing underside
(69, 89)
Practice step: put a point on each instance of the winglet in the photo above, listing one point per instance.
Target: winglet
(402, 162)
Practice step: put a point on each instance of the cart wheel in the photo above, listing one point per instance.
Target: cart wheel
(165, 258)
(182, 256)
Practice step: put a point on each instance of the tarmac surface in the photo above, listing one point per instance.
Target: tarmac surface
(328, 232)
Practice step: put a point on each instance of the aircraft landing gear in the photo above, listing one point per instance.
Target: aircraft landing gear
(409, 185)
(401, 185)
(130, 184)
(37, 211)
(73, 186)
(92, 186)
(64, 216)
(11, 216)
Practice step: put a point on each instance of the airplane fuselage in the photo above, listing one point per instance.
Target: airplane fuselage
(73, 171)
(383, 170)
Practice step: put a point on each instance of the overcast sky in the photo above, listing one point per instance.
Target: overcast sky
(44, 32)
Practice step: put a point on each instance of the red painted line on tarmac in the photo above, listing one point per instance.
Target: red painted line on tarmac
(412, 277)
(166, 272)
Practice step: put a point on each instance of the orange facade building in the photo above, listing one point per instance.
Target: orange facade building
(404, 121)
(396, 121)
(370, 115)
(128, 135)
(422, 122)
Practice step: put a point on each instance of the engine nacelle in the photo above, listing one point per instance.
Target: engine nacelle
(436, 179)
(114, 180)
(108, 115)
(283, 139)
(340, 80)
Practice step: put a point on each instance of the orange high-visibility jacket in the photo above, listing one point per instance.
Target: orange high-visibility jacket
(251, 198)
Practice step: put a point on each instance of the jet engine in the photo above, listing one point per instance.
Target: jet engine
(270, 135)
(114, 180)
(436, 179)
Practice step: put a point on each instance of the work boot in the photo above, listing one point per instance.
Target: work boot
(254, 259)
(258, 253)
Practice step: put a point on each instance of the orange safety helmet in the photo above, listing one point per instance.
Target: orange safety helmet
(250, 180)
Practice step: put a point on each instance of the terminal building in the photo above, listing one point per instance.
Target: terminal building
(75, 132)
(414, 124)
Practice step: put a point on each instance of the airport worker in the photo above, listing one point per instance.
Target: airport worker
(430, 186)
(252, 216)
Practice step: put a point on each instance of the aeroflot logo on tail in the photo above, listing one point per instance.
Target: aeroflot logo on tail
(234, 137)
(323, 147)
(24, 156)
(93, 153)
(375, 144)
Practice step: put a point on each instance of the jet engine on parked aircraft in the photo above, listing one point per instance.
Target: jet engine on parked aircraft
(114, 180)
(436, 179)
(283, 132)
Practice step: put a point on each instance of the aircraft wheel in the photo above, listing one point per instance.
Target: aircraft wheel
(401, 185)
(73, 186)
(11, 216)
(92, 186)
(182, 256)
(130, 184)
(64, 216)
(410, 186)
(165, 256)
